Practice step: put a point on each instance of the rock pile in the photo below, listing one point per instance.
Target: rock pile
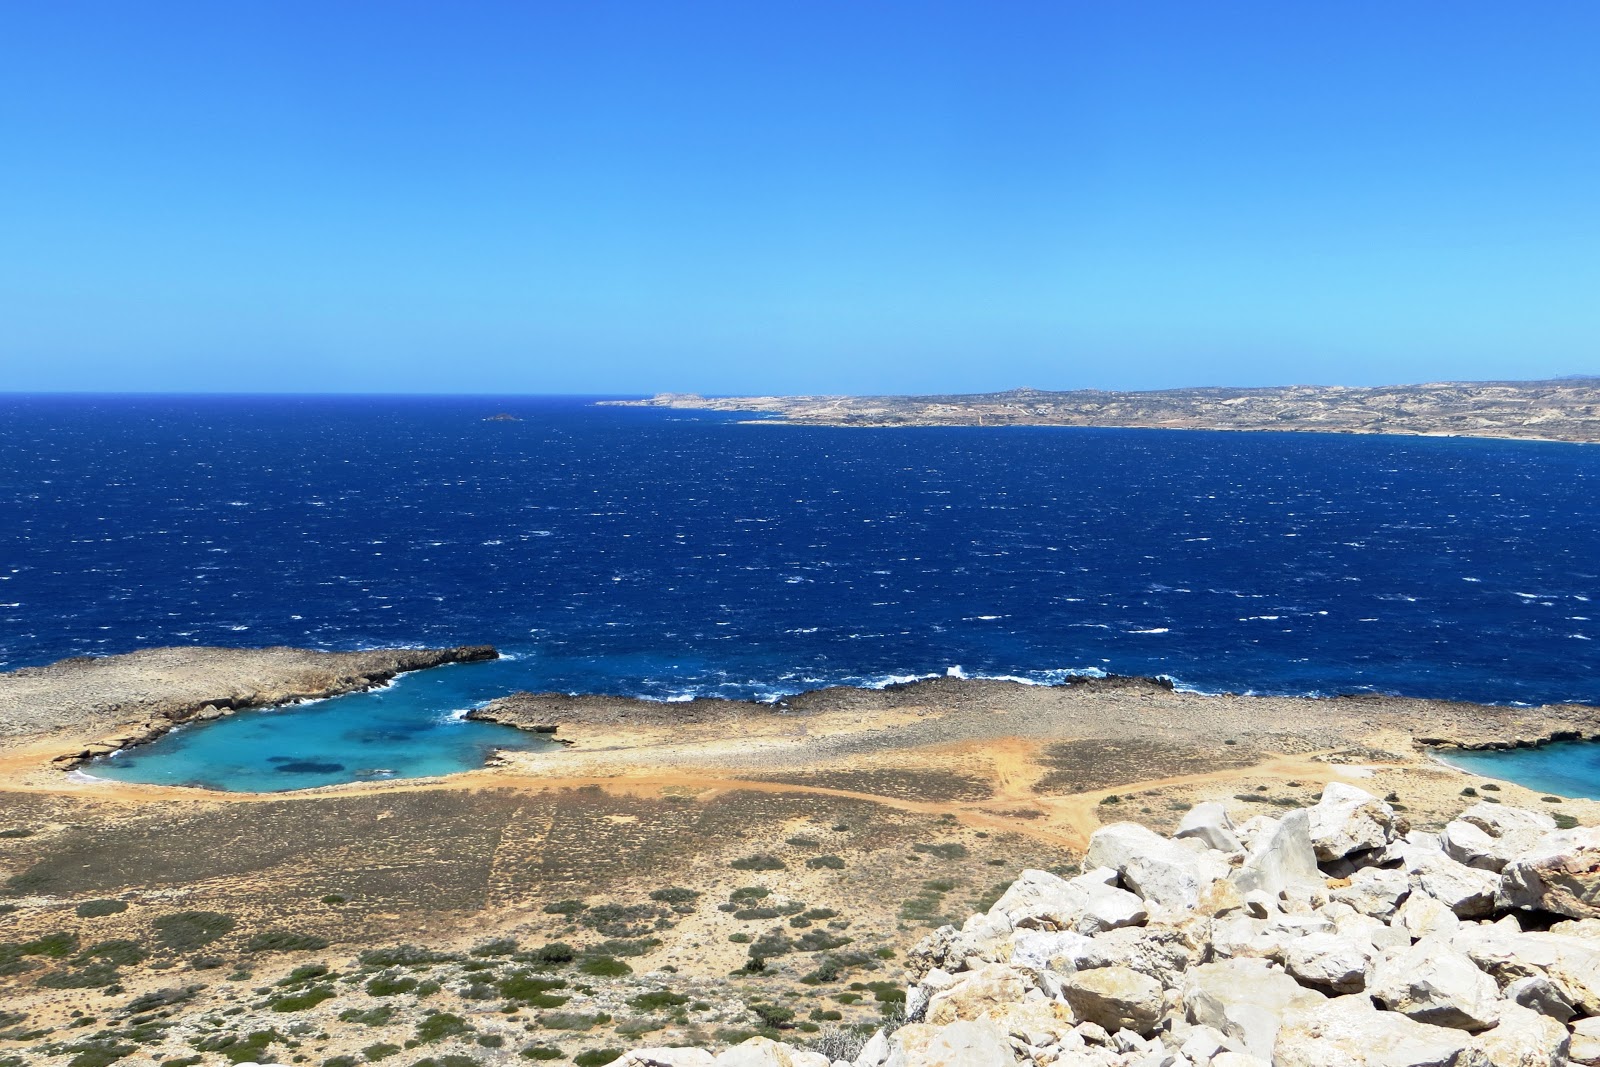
(1334, 936)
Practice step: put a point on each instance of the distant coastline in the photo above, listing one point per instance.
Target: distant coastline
(1560, 410)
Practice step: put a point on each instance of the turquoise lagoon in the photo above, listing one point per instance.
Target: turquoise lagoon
(410, 729)
(1564, 768)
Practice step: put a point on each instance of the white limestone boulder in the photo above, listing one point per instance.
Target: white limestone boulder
(1347, 819)
(667, 1057)
(1433, 983)
(960, 1044)
(1538, 993)
(1467, 891)
(1349, 1032)
(1116, 998)
(1331, 962)
(1375, 891)
(1245, 1000)
(989, 990)
(1087, 903)
(1524, 1038)
(1281, 856)
(764, 1052)
(1561, 874)
(1571, 964)
(1160, 871)
(1209, 824)
(1500, 820)
(1585, 1046)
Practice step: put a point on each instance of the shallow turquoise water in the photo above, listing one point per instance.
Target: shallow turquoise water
(1566, 768)
(407, 730)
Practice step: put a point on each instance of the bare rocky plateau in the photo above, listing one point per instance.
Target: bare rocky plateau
(1566, 409)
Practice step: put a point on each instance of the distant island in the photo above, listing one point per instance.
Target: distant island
(1563, 409)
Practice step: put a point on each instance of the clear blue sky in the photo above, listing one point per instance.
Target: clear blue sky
(807, 196)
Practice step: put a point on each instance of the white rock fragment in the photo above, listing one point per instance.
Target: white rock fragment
(1433, 983)
(1349, 1032)
(1281, 857)
(1561, 874)
(1348, 820)
(1245, 1000)
(1209, 824)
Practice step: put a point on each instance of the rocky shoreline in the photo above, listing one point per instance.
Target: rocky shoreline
(1333, 936)
(97, 705)
(1558, 410)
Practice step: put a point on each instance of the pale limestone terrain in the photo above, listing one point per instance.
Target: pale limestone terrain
(684, 874)
(1560, 410)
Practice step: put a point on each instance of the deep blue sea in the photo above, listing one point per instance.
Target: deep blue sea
(667, 553)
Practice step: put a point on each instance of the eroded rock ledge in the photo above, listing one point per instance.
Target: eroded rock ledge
(1335, 935)
(98, 704)
(1324, 721)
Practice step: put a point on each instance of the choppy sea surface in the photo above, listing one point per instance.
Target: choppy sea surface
(668, 554)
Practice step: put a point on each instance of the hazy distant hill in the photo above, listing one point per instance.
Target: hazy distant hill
(1563, 409)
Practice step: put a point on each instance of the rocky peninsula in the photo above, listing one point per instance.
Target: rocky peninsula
(91, 705)
(1565, 409)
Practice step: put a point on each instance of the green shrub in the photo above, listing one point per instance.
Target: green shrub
(604, 967)
(236, 1049)
(1565, 822)
(500, 946)
(830, 862)
(820, 941)
(98, 1053)
(1554, 800)
(542, 1052)
(308, 998)
(379, 1016)
(597, 1056)
(341, 1061)
(952, 850)
(454, 1059)
(335, 898)
(803, 842)
(565, 907)
(93, 909)
(630, 947)
(187, 930)
(532, 990)
(491, 1040)
(554, 953)
(284, 941)
(163, 998)
(57, 945)
(380, 1051)
(387, 985)
(773, 1015)
(658, 1000)
(1469, 792)
(675, 895)
(744, 894)
(15, 832)
(760, 862)
(304, 973)
(572, 1020)
(440, 1026)
(402, 956)
(119, 952)
(93, 976)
